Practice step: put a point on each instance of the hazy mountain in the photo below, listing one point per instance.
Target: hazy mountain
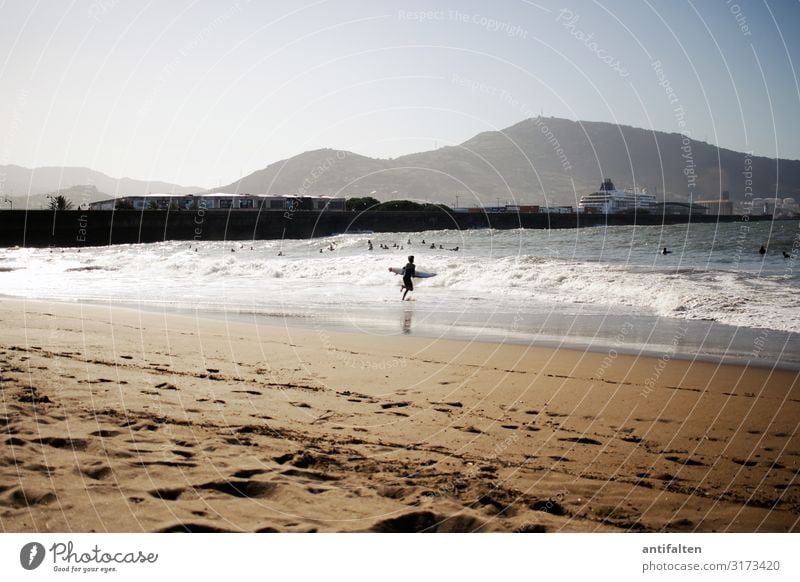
(28, 187)
(536, 160)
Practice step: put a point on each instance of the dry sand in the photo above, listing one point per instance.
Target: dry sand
(118, 420)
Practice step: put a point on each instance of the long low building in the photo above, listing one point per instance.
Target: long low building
(219, 201)
(680, 208)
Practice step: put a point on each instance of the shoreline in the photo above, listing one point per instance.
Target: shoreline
(597, 344)
(117, 419)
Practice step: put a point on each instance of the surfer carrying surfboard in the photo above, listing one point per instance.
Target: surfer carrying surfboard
(408, 271)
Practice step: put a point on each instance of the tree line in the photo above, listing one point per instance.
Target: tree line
(368, 203)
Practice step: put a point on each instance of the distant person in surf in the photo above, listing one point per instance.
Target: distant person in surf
(408, 271)
(762, 250)
(665, 251)
(786, 255)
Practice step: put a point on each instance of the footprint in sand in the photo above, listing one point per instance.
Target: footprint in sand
(63, 443)
(96, 473)
(687, 462)
(247, 473)
(682, 524)
(745, 462)
(167, 494)
(453, 404)
(244, 489)
(550, 506)
(427, 521)
(193, 528)
(581, 440)
(387, 405)
(471, 429)
(282, 459)
(29, 496)
(666, 477)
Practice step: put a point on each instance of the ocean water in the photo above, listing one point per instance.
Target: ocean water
(714, 296)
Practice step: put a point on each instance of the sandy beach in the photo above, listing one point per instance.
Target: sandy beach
(118, 420)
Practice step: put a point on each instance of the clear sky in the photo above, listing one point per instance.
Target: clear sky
(201, 92)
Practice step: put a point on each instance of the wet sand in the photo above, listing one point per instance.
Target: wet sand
(113, 419)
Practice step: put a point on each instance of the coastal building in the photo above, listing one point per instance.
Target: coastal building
(508, 208)
(556, 210)
(679, 208)
(219, 201)
(609, 200)
(778, 207)
(718, 207)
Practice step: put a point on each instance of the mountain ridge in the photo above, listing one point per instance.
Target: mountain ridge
(542, 160)
(538, 160)
(29, 187)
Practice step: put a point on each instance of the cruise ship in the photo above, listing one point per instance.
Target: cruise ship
(609, 200)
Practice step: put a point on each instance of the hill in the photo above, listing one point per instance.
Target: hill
(536, 161)
(28, 187)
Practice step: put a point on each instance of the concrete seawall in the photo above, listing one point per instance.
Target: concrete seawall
(42, 228)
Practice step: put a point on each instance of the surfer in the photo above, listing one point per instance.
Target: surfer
(408, 271)
(665, 251)
(786, 255)
(762, 250)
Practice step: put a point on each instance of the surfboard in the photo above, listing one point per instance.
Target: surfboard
(417, 274)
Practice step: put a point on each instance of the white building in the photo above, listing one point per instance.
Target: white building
(219, 201)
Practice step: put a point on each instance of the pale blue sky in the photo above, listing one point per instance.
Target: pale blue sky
(199, 92)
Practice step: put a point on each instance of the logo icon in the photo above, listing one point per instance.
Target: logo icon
(31, 555)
